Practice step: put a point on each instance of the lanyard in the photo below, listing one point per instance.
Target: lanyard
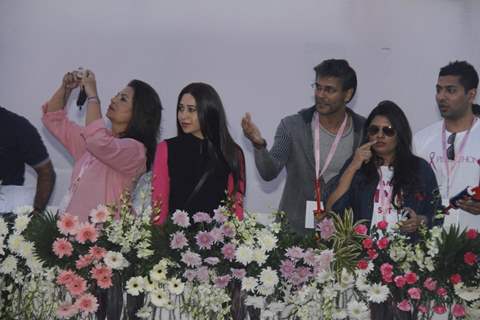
(451, 170)
(333, 148)
(385, 201)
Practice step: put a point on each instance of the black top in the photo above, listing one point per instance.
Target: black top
(20, 143)
(188, 160)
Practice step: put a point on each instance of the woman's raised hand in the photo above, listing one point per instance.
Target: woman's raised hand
(362, 155)
(70, 80)
(89, 83)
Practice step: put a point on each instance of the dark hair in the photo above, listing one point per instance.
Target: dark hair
(405, 163)
(338, 68)
(463, 69)
(476, 109)
(214, 127)
(146, 116)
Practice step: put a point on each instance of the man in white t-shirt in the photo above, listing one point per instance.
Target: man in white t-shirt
(452, 145)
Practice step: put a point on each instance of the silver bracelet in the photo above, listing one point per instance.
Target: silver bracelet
(94, 98)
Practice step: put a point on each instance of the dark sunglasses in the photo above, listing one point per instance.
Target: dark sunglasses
(451, 147)
(373, 130)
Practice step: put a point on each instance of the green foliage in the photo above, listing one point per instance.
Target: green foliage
(42, 231)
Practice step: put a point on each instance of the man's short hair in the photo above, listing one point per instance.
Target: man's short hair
(467, 73)
(338, 68)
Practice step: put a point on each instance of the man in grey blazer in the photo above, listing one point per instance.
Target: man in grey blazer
(338, 131)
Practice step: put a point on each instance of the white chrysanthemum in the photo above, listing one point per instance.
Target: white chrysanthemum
(361, 283)
(339, 314)
(269, 277)
(159, 298)
(26, 249)
(244, 254)
(324, 276)
(346, 279)
(357, 310)
(15, 241)
(255, 301)
(115, 260)
(176, 286)
(3, 228)
(21, 223)
(259, 256)
(22, 210)
(144, 312)
(267, 241)
(9, 265)
(378, 293)
(35, 266)
(135, 286)
(249, 283)
(467, 293)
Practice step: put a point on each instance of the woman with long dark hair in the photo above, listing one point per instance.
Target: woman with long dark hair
(384, 180)
(193, 170)
(107, 161)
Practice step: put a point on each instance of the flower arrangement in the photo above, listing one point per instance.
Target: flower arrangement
(26, 287)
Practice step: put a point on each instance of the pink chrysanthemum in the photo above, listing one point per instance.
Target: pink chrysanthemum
(97, 252)
(212, 261)
(189, 274)
(191, 259)
(228, 231)
(217, 234)
(84, 261)
(287, 268)
(310, 257)
(62, 248)
(239, 273)
(66, 311)
(180, 218)
(178, 240)
(202, 274)
(219, 216)
(228, 251)
(295, 253)
(204, 240)
(67, 224)
(86, 232)
(76, 286)
(99, 214)
(200, 217)
(87, 303)
(222, 281)
(65, 277)
(326, 228)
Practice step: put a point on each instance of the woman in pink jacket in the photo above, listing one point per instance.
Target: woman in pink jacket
(202, 165)
(107, 161)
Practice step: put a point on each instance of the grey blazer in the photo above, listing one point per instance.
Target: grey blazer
(293, 148)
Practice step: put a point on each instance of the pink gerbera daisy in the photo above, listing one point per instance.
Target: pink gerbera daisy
(99, 214)
(77, 285)
(84, 261)
(62, 247)
(66, 311)
(87, 303)
(97, 252)
(67, 224)
(65, 277)
(86, 232)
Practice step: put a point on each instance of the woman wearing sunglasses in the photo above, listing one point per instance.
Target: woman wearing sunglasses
(384, 181)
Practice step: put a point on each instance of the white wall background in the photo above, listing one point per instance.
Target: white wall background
(258, 54)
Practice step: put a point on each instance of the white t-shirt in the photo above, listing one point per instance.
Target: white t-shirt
(428, 145)
(382, 207)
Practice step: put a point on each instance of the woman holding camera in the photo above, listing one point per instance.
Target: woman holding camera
(107, 161)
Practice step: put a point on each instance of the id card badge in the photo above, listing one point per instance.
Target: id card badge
(310, 208)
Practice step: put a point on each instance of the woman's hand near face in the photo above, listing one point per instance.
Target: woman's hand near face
(362, 155)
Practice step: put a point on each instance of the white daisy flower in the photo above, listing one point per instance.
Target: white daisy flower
(135, 286)
(378, 293)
